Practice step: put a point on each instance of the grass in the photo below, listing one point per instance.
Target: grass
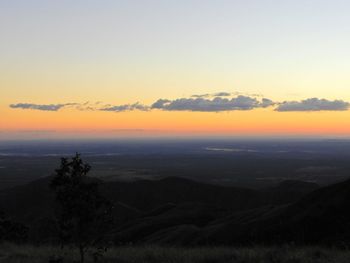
(10, 253)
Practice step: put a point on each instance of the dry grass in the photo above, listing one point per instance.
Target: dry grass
(15, 254)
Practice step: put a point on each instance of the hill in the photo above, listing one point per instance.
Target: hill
(321, 217)
(165, 210)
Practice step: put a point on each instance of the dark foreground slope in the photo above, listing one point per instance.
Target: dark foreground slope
(153, 254)
(180, 212)
(321, 217)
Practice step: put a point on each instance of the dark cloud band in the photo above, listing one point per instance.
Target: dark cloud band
(313, 104)
(216, 104)
(200, 103)
(42, 107)
(125, 107)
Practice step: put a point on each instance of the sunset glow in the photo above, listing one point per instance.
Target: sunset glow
(99, 57)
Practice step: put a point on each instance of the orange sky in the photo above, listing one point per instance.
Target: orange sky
(256, 122)
(123, 52)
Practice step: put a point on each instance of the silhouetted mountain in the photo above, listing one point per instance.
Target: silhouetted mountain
(180, 211)
(150, 194)
(320, 217)
(35, 199)
(289, 191)
(294, 186)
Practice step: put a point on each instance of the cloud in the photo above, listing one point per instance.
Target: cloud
(266, 103)
(201, 95)
(160, 104)
(218, 94)
(224, 94)
(87, 106)
(224, 101)
(313, 104)
(125, 107)
(216, 104)
(42, 107)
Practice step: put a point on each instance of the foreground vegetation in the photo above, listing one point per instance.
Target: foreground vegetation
(10, 253)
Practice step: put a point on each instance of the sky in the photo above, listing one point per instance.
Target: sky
(186, 67)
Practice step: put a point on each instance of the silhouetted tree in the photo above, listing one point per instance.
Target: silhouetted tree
(83, 214)
(11, 230)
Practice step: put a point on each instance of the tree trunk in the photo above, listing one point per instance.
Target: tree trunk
(82, 254)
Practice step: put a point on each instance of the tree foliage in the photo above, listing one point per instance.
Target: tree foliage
(83, 214)
(11, 230)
